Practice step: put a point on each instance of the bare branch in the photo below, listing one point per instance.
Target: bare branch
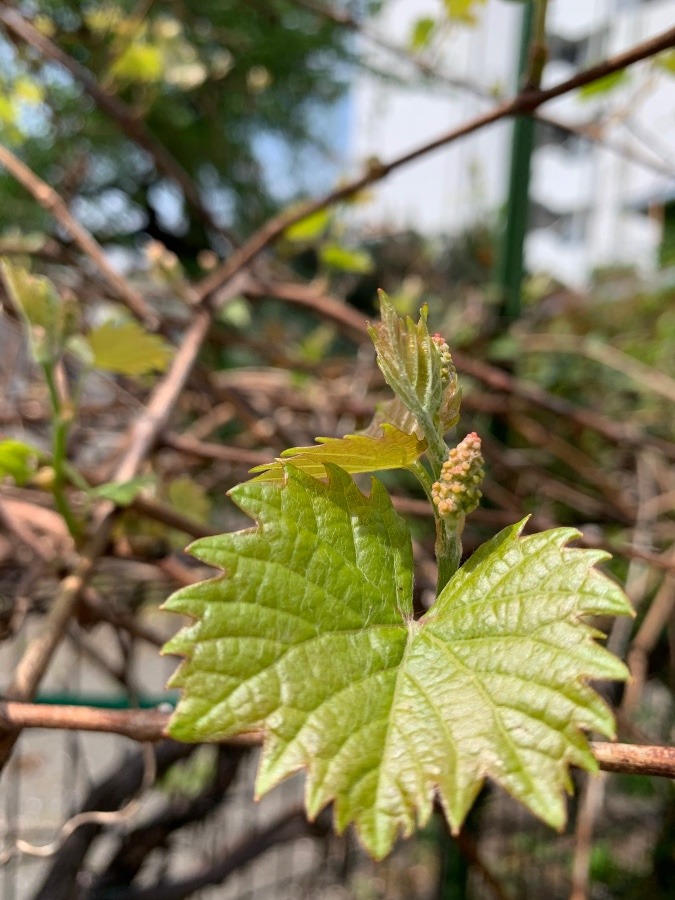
(151, 725)
(635, 759)
(524, 103)
(48, 199)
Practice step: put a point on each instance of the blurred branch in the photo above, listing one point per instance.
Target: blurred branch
(591, 132)
(143, 434)
(344, 18)
(47, 197)
(355, 324)
(619, 433)
(289, 826)
(653, 625)
(648, 378)
(590, 807)
(206, 450)
(94, 817)
(155, 832)
(59, 882)
(524, 103)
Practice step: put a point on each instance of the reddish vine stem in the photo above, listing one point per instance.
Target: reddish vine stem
(151, 725)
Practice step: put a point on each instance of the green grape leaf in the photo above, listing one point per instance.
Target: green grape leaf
(396, 413)
(128, 349)
(18, 460)
(415, 370)
(49, 319)
(310, 636)
(392, 449)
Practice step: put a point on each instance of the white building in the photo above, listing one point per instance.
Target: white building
(591, 201)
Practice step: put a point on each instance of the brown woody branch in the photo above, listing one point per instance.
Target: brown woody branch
(48, 199)
(151, 725)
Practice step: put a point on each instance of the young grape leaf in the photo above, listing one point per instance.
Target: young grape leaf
(418, 372)
(49, 318)
(128, 349)
(18, 460)
(310, 636)
(123, 493)
(392, 449)
(393, 412)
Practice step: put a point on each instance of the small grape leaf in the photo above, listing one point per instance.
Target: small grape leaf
(18, 460)
(127, 349)
(310, 636)
(415, 370)
(396, 413)
(391, 449)
(49, 318)
(123, 493)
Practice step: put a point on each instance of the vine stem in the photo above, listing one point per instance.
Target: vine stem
(61, 424)
(448, 548)
(152, 724)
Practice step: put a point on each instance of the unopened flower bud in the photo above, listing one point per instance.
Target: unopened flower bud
(456, 493)
(447, 366)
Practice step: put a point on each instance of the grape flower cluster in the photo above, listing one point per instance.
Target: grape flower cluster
(447, 365)
(457, 492)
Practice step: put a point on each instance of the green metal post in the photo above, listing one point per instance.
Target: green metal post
(510, 267)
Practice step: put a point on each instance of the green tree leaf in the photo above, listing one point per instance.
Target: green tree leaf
(392, 449)
(186, 495)
(141, 62)
(18, 460)
(666, 61)
(422, 32)
(310, 228)
(128, 349)
(603, 85)
(418, 373)
(310, 636)
(463, 10)
(357, 261)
